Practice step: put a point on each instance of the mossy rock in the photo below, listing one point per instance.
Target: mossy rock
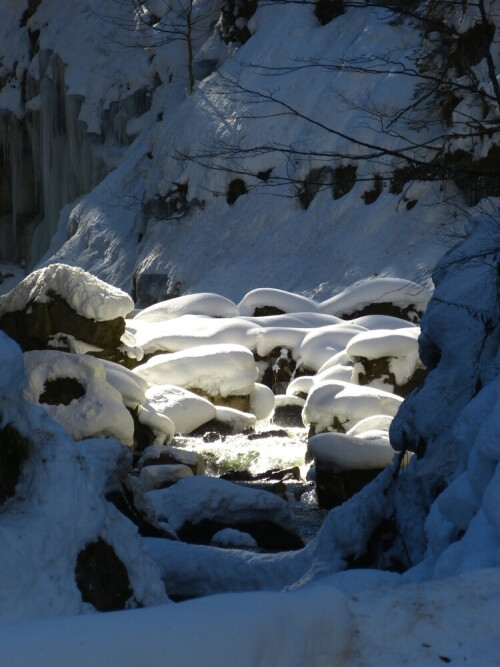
(378, 370)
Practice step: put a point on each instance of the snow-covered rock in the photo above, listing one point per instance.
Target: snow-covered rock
(340, 405)
(211, 504)
(97, 409)
(205, 303)
(215, 369)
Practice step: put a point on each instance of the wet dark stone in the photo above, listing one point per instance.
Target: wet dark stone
(61, 391)
(264, 311)
(276, 433)
(334, 486)
(288, 415)
(102, 578)
(14, 449)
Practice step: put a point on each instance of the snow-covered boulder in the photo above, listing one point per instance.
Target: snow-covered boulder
(346, 463)
(75, 391)
(387, 359)
(186, 410)
(270, 301)
(64, 299)
(335, 405)
(379, 296)
(163, 475)
(323, 343)
(215, 370)
(205, 303)
(174, 335)
(199, 507)
(170, 454)
(68, 548)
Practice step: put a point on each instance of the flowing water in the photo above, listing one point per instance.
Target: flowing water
(234, 455)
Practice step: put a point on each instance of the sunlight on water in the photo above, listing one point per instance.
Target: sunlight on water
(237, 452)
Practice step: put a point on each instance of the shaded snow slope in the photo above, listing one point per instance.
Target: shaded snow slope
(223, 190)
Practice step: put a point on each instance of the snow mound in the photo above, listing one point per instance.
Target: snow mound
(261, 401)
(197, 498)
(100, 411)
(205, 303)
(346, 404)
(188, 331)
(187, 410)
(228, 370)
(87, 295)
(397, 291)
(351, 453)
(384, 343)
(268, 297)
(323, 343)
(12, 365)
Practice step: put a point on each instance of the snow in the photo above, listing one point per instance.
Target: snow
(347, 452)
(323, 343)
(397, 291)
(175, 335)
(383, 343)
(280, 299)
(161, 425)
(231, 538)
(227, 370)
(100, 412)
(236, 420)
(306, 257)
(158, 476)
(213, 305)
(349, 403)
(87, 295)
(186, 410)
(262, 401)
(196, 498)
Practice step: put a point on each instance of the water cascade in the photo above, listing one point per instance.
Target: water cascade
(48, 159)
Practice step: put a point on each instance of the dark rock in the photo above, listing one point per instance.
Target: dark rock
(61, 391)
(33, 326)
(231, 30)
(102, 577)
(14, 449)
(288, 415)
(327, 10)
(235, 189)
(264, 311)
(273, 474)
(268, 535)
(335, 486)
(409, 313)
(378, 369)
(213, 436)
(276, 433)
